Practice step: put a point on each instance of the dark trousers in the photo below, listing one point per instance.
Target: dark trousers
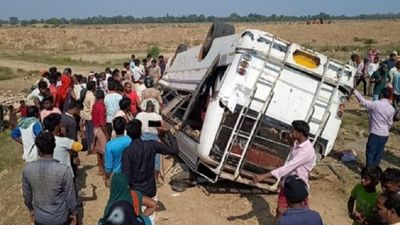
(109, 129)
(375, 147)
(362, 79)
(89, 133)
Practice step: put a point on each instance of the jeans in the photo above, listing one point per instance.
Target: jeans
(152, 136)
(89, 133)
(375, 97)
(375, 147)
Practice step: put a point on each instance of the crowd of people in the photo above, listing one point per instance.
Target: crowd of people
(116, 115)
(113, 114)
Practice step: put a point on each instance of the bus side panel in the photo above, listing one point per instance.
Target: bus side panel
(293, 95)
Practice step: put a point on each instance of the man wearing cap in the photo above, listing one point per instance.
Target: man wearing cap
(296, 192)
(300, 162)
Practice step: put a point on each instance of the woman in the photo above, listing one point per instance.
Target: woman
(120, 208)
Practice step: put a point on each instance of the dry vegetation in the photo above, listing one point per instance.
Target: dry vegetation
(88, 48)
(334, 39)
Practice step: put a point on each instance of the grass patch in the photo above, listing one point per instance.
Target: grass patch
(9, 73)
(11, 152)
(6, 73)
(49, 59)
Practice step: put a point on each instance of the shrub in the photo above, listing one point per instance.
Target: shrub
(154, 51)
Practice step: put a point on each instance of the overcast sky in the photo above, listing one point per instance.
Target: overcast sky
(38, 9)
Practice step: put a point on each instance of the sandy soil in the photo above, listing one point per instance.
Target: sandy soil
(206, 203)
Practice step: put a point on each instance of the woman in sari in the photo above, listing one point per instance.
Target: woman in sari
(121, 208)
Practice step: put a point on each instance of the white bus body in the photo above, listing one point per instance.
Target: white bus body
(232, 108)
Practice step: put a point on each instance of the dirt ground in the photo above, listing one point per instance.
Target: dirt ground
(221, 203)
(331, 182)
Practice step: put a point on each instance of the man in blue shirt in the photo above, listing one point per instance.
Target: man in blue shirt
(115, 147)
(296, 192)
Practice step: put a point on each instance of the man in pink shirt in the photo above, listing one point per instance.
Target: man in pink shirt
(301, 161)
(381, 115)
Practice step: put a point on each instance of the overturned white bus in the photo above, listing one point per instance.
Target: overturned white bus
(232, 99)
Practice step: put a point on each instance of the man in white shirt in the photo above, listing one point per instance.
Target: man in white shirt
(111, 101)
(151, 123)
(372, 67)
(52, 123)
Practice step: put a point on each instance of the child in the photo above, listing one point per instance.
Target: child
(390, 180)
(48, 107)
(23, 109)
(99, 129)
(12, 117)
(364, 196)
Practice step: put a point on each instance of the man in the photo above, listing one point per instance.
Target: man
(137, 72)
(391, 62)
(138, 159)
(39, 93)
(86, 113)
(372, 67)
(301, 161)
(380, 78)
(111, 101)
(64, 145)
(380, 120)
(151, 93)
(68, 121)
(150, 131)
(389, 211)
(25, 133)
(298, 213)
(48, 187)
(115, 147)
(155, 71)
(395, 75)
(390, 180)
(132, 63)
(162, 64)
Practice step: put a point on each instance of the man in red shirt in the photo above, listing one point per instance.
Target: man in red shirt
(99, 129)
(132, 95)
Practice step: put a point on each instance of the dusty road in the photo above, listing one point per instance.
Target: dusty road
(212, 204)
